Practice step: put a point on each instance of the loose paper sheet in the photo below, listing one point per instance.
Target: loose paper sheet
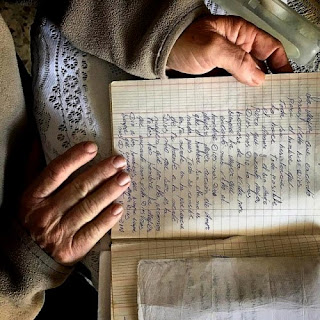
(126, 255)
(229, 289)
(213, 157)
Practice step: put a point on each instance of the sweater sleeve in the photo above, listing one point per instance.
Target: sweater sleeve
(135, 35)
(26, 271)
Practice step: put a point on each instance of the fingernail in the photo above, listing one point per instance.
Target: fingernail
(123, 178)
(119, 162)
(116, 210)
(90, 147)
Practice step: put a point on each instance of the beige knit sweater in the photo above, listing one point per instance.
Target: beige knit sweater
(135, 35)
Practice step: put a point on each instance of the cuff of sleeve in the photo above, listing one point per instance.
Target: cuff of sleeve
(23, 259)
(26, 271)
(39, 254)
(174, 33)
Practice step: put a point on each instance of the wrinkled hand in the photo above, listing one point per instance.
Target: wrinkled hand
(67, 221)
(230, 43)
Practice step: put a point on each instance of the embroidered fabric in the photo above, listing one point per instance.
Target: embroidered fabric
(71, 95)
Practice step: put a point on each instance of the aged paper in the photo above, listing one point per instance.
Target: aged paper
(212, 157)
(229, 289)
(126, 255)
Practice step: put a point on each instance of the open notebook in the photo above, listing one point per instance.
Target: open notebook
(210, 159)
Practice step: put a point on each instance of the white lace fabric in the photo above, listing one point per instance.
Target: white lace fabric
(71, 100)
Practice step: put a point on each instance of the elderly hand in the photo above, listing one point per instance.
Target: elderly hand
(67, 221)
(230, 43)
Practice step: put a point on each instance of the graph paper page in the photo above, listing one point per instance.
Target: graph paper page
(126, 255)
(212, 157)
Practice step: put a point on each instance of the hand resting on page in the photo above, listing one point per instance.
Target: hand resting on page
(67, 220)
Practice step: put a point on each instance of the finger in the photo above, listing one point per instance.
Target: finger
(265, 47)
(277, 64)
(236, 61)
(92, 232)
(61, 168)
(86, 182)
(253, 40)
(260, 65)
(94, 203)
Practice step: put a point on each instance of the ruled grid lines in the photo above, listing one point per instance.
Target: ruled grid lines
(127, 254)
(218, 158)
(288, 118)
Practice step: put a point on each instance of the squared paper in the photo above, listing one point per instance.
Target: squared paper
(213, 157)
(229, 289)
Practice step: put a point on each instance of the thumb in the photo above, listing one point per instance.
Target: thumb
(236, 61)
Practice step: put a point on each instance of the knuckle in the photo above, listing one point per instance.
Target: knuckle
(81, 188)
(89, 207)
(63, 255)
(216, 40)
(41, 223)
